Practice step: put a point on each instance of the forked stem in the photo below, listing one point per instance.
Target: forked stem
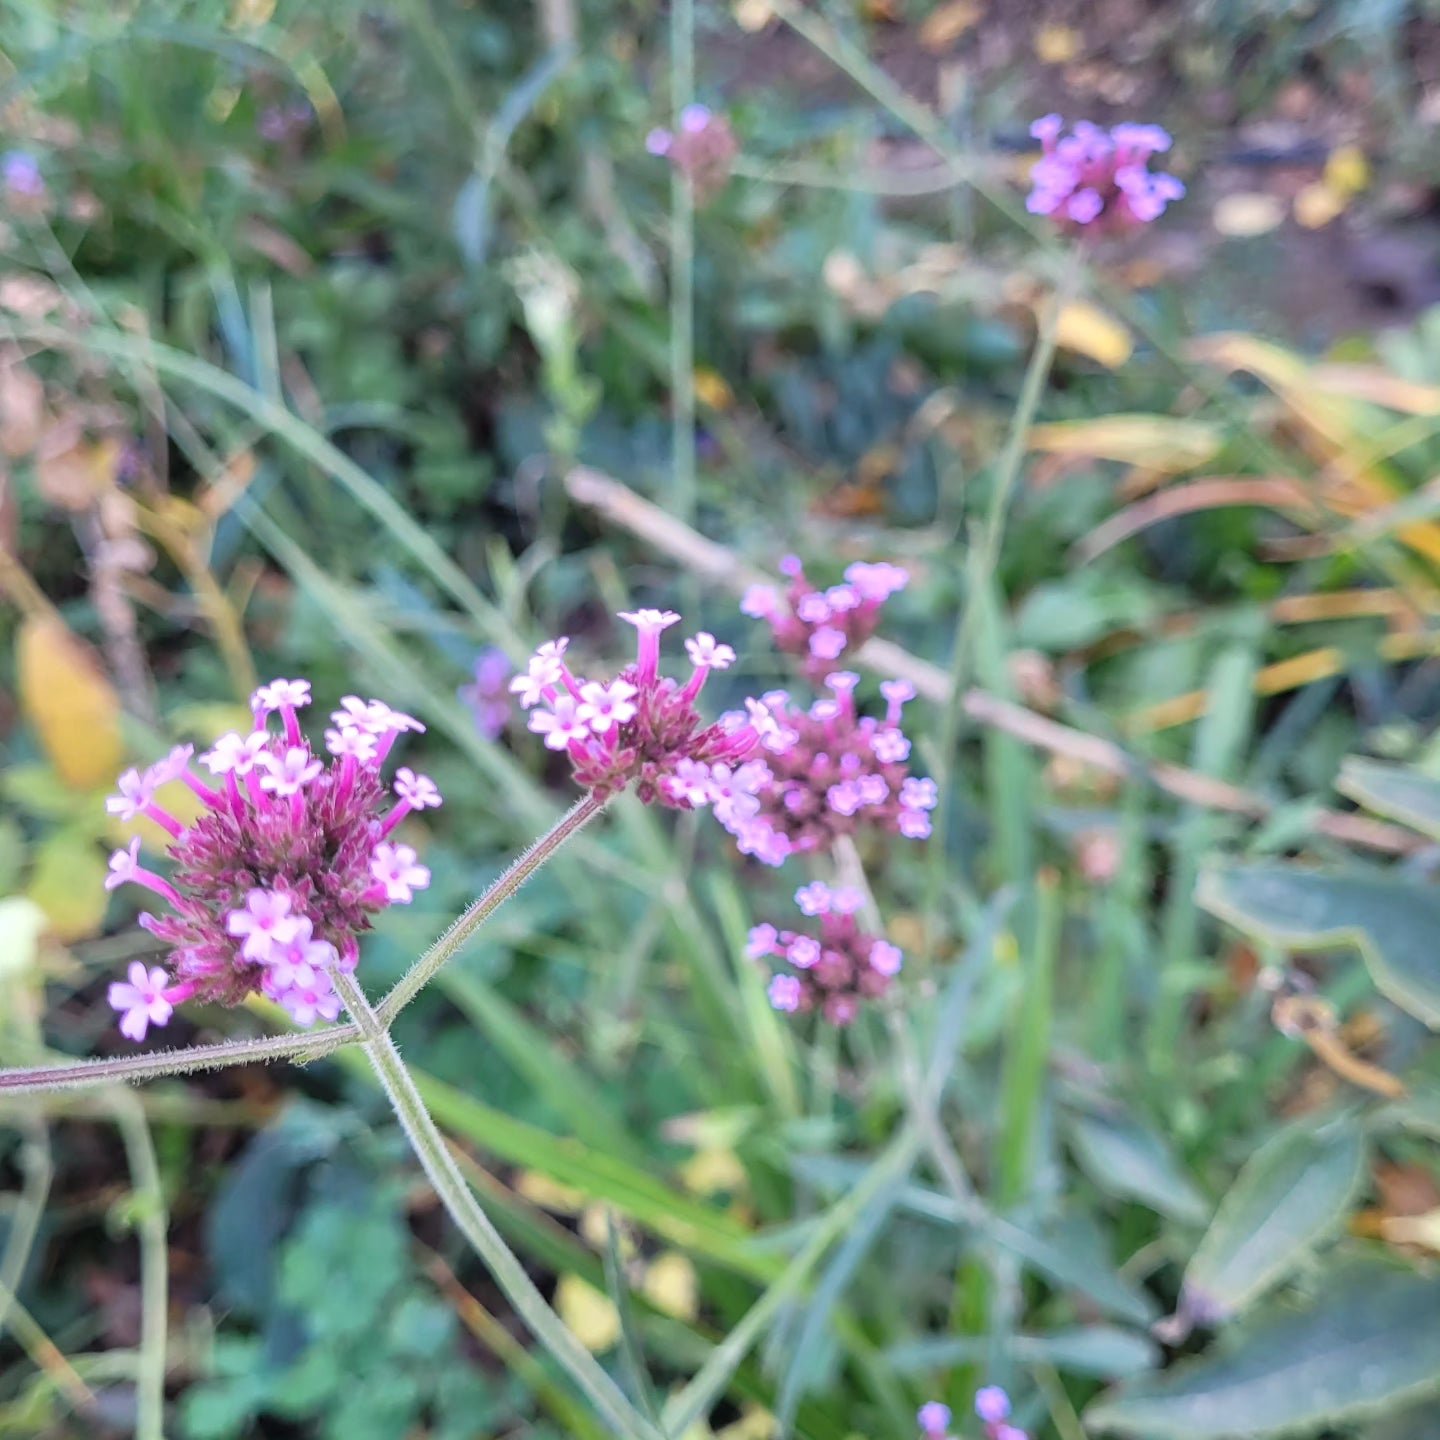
(449, 1184)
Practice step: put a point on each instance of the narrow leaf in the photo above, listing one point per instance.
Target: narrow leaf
(1399, 792)
(1128, 1160)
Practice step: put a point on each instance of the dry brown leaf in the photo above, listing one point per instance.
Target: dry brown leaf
(73, 472)
(22, 408)
(946, 24)
(70, 701)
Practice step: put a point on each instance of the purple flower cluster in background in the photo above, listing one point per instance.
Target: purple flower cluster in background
(487, 695)
(819, 626)
(703, 149)
(836, 772)
(992, 1408)
(290, 857)
(1097, 179)
(835, 971)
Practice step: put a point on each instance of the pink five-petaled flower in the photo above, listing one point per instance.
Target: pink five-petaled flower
(278, 870)
(136, 792)
(290, 772)
(141, 1000)
(602, 707)
(264, 924)
(835, 971)
(397, 870)
(703, 150)
(236, 755)
(561, 725)
(708, 653)
(1098, 180)
(419, 792)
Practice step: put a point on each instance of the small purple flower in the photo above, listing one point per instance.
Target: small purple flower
(703, 150)
(992, 1404)
(486, 694)
(396, 869)
(21, 173)
(143, 1001)
(784, 992)
(263, 924)
(934, 1420)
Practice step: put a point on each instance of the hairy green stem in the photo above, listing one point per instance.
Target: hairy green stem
(151, 1224)
(304, 1048)
(449, 1184)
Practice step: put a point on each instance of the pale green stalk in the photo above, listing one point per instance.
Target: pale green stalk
(151, 1225)
(682, 272)
(450, 1186)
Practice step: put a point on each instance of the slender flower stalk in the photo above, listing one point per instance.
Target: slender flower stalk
(460, 1203)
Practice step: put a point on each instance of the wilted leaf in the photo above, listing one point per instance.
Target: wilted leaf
(591, 1316)
(70, 701)
(73, 472)
(67, 882)
(1124, 1158)
(944, 25)
(1157, 442)
(22, 408)
(1392, 922)
(1399, 792)
(1369, 1342)
(1295, 1191)
(1087, 330)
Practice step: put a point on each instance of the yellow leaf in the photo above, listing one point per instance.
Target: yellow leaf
(1087, 330)
(1157, 442)
(67, 882)
(755, 1423)
(1056, 44)
(22, 923)
(711, 389)
(589, 1315)
(945, 25)
(74, 473)
(250, 14)
(1423, 1230)
(713, 1172)
(70, 701)
(1249, 213)
(549, 1194)
(1347, 171)
(595, 1224)
(671, 1285)
(1317, 205)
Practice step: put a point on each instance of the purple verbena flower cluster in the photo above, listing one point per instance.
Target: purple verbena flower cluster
(992, 1408)
(817, 625)
(703, 149)
(835, 971)
(1097, 179)
(834, 771)
(486, 694)
(643, 727)
(292, 854)
(21, 176)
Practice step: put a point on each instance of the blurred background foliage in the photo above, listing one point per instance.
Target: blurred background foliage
(310, 318)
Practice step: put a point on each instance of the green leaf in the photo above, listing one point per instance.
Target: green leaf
(1393, 923)
(1370, 1342)
(1399, 792)
(1127, 1160)
(1104, 1352)
(1295, 1191)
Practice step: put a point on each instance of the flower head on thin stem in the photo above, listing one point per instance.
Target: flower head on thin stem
(703, 149)
(835, 971)
(818, 625)
(270, 888)
(486, 694)
(643, 728)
